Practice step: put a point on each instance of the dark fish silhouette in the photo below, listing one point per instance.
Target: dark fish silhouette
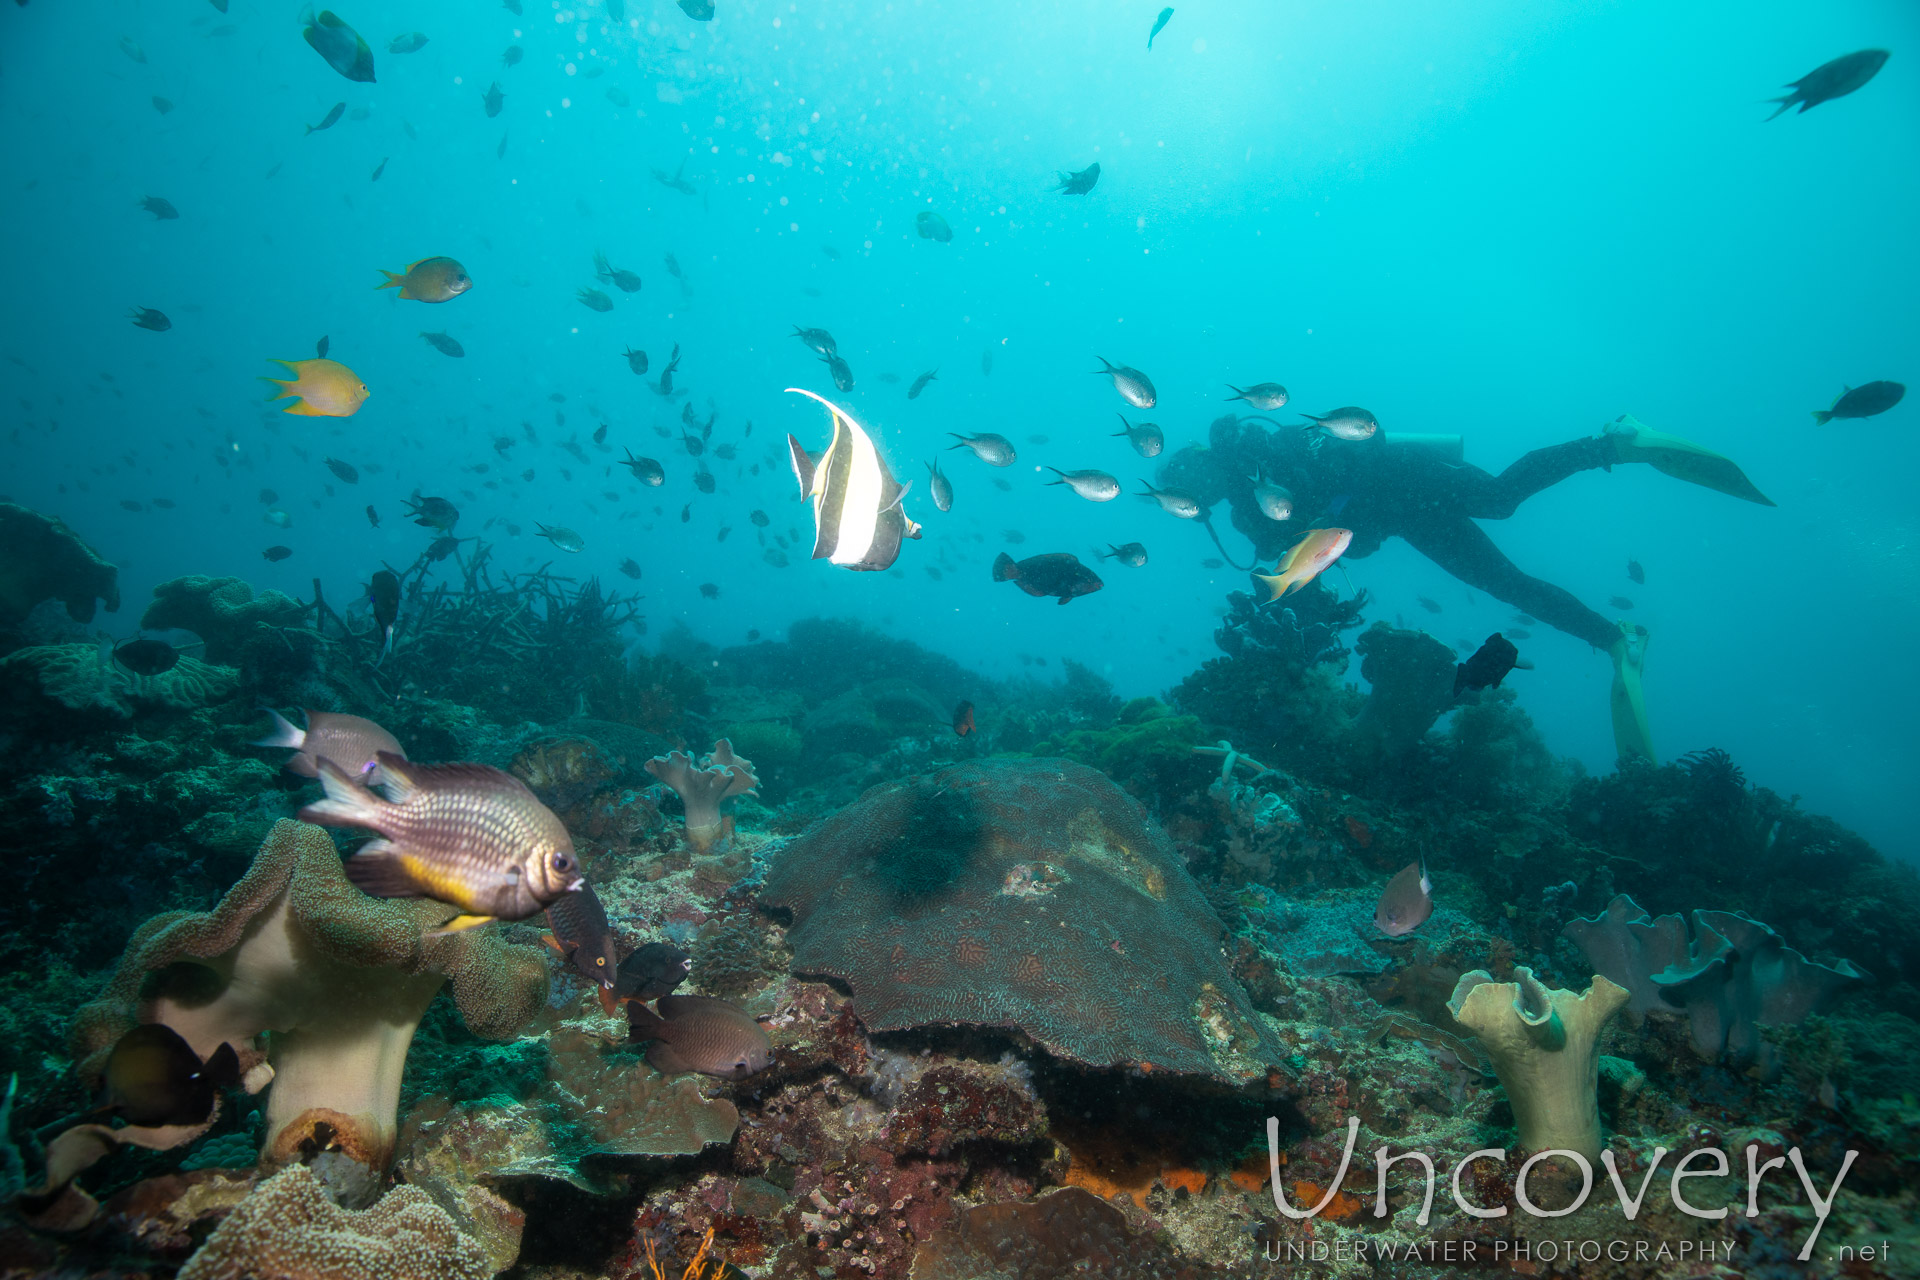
(842, 374)
(1863, 401)
(1159, 24)
(1832, 80)
(698, 10)
(340, 45)
(148, 318)
(1131, 554)
(931, 226)
(1057, 573)
(652, 971)
(146, 656)
(276, 554)
(383, 592)
(153, 1077)
(161, 209)
(492, 99)
(583, 939)
(819, 340)
(920, 383)
(333, 118)
(1078, 184)
(1487, 667)
(1635, 572)
(445, 344)
(636, 360)
(1146, 438)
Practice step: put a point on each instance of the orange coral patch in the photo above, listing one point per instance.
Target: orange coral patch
(1106, 1167)
(1254, 1171)
(1341, 1207)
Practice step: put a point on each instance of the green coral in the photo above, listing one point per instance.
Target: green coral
(84, 678)
(1146, 749)
(224, 612)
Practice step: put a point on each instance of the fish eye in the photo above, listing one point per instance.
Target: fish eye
(561, 862)
(601, 961)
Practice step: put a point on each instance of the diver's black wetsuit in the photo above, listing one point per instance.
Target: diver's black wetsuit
(1409, 491)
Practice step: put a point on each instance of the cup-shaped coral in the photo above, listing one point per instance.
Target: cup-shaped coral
(703, 786)
(337, 982)
(1544, 1044)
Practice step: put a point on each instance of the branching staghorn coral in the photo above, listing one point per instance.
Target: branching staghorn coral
(703, 786)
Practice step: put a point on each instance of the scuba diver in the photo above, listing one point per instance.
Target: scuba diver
(1418, 488)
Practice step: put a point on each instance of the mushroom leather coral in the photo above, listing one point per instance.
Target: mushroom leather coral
(702, 786)
(1032, 894)
(339, 979)
(1545, 1047)
(288, 1228)
(1735, 976)
(42, 559)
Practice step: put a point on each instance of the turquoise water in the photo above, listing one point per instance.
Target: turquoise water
(1510, 222)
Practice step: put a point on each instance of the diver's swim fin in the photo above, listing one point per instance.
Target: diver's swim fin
(1635, 441)
(1632, 739)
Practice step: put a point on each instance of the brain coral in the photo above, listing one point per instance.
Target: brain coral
(1031, 894)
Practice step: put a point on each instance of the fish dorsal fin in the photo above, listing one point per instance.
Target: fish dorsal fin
(395, 778)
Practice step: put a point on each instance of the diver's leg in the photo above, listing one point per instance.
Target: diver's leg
(1542, 469)
(1464, 550)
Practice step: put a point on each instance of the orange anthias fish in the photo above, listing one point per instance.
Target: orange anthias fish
(321, 388)
(963, 719)
(429, 280)
(1305, 561)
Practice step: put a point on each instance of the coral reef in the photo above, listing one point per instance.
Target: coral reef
(1545, 1046)
(340, 979)
(84, 678)
(704, 786)
(42, 559)
(1411, 675)
(1026, 894)
(288, 1227)
(224, 612)
(1734, 976)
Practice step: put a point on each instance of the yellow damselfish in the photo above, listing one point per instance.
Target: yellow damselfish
(321, 388)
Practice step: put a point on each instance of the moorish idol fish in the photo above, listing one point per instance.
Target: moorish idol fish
(857, 516)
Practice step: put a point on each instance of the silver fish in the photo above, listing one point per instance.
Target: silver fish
(994, 450)
(352, 742)
(1094, 486)
(1264, 396)
(1175, 502)
(561, 537)
(942, 487)
(1134, 386)
(1146, 438)
(1274, 502)
(464, 834)
(1351, 423)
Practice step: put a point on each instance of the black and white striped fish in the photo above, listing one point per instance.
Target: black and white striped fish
(858, 519)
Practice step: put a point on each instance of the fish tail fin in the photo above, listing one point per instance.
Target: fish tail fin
(1277, 585)
(284, 733)
(1147, 491)
(1004, 569)
(347, 802)
(1786, 105)
(380, 872)
(644, 1024)
(394, 280)
(1822, 417)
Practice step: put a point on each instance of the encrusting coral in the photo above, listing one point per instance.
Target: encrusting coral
(289, 1228)
(42, 559)
(1734, 977)
(339, 979)
(1032, 894)
(1545, 1047)
(84, 677)
(703, 786)
(222, 611)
